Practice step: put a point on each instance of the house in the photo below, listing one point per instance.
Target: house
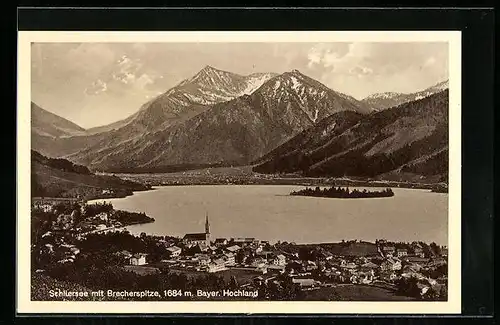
(101, 226)
(388, 251)
(361, 260)
(203, 260)
(310, 265)
(279, 260)
(415, 268)
(388, 276)
(391, 264)
(102, 216)
(259, 262)
(125, 254)
(216, 265)
(366, 276)
(138, 259)
(348, 266)
(418, 251)
(436, 262)
(44, 207)
(305, 283)
(276, 268)
(369, 267)
(220, 242)
(229, 259)
(244, 241)
(265, 254)
(233, 248)
(325, 255)
(444, 251)
(416, 259)
(174, 251)
(412, 274)
(203, 246)
(400, 252)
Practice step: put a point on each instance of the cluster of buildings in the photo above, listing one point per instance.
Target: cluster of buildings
(201, 253)
(384, 269)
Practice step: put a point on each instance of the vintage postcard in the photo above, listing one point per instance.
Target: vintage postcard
(239, 172)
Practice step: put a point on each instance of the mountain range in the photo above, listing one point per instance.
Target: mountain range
(404, 142)
(380, 101)
(221, 118)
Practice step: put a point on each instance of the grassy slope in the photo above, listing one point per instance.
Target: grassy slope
(354, 293)
(52, 182)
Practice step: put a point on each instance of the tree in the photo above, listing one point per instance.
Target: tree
(431, 295)
(233, 283)
(435, 248)
(408, 287)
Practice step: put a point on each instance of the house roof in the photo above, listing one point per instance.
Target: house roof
(220, 240)
(247, 239)
(196, 236)
(370, 265)
(417, 259)
(217, 261)
(304, 282)
(173, 249)
(391, 261)
(233, 248)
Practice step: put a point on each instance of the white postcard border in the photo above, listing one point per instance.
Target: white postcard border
(23, 301)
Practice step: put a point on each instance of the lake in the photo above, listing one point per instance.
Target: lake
(267, 212)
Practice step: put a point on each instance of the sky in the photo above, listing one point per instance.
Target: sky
(79, 81)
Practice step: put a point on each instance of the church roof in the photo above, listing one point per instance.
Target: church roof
(196, 236)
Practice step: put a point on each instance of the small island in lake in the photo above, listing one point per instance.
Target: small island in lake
(342, 193)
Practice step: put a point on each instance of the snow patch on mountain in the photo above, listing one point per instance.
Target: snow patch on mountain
(254, 82)
(386, 95)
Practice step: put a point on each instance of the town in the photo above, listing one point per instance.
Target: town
(82, 243)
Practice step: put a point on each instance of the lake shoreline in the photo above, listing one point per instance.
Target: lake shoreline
(181, 209)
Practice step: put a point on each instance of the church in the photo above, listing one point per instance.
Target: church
(202, 238)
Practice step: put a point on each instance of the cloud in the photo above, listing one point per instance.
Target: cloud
(360, 71)
(96, 88)
(346, 60)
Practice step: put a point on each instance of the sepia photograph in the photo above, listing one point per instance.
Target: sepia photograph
(239, 167)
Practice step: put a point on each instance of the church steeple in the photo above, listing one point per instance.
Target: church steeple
(207, 225)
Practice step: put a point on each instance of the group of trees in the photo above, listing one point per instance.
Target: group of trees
(60, 163)
(339, 192)
(96, 208)
(409, 287)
